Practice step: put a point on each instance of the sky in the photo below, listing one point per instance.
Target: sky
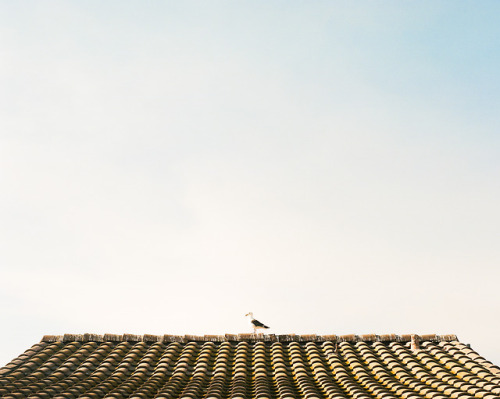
(167, 167)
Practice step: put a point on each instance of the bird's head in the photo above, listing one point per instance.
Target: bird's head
(249, 314)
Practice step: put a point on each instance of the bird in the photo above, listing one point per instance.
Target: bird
(255, 323)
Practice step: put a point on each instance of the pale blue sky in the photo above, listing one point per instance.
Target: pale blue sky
(167, 167)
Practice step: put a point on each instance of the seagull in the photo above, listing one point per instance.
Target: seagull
(255, 323)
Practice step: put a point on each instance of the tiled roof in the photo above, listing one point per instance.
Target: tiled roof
(250, 366)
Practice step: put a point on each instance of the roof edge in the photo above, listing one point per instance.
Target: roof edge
(246, 338)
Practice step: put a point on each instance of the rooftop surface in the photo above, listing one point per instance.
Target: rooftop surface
(250, 366)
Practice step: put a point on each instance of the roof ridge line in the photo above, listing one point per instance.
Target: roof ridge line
(149, 338)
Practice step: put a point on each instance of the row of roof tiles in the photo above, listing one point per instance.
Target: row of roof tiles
(247, 338)
(230, 369)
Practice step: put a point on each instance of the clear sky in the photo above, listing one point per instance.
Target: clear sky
(167, 167)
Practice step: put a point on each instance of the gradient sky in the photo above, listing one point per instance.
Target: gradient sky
(167, 167)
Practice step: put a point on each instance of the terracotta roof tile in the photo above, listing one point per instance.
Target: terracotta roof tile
(250, 366)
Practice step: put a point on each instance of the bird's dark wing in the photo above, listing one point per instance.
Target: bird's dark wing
(257, 323)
